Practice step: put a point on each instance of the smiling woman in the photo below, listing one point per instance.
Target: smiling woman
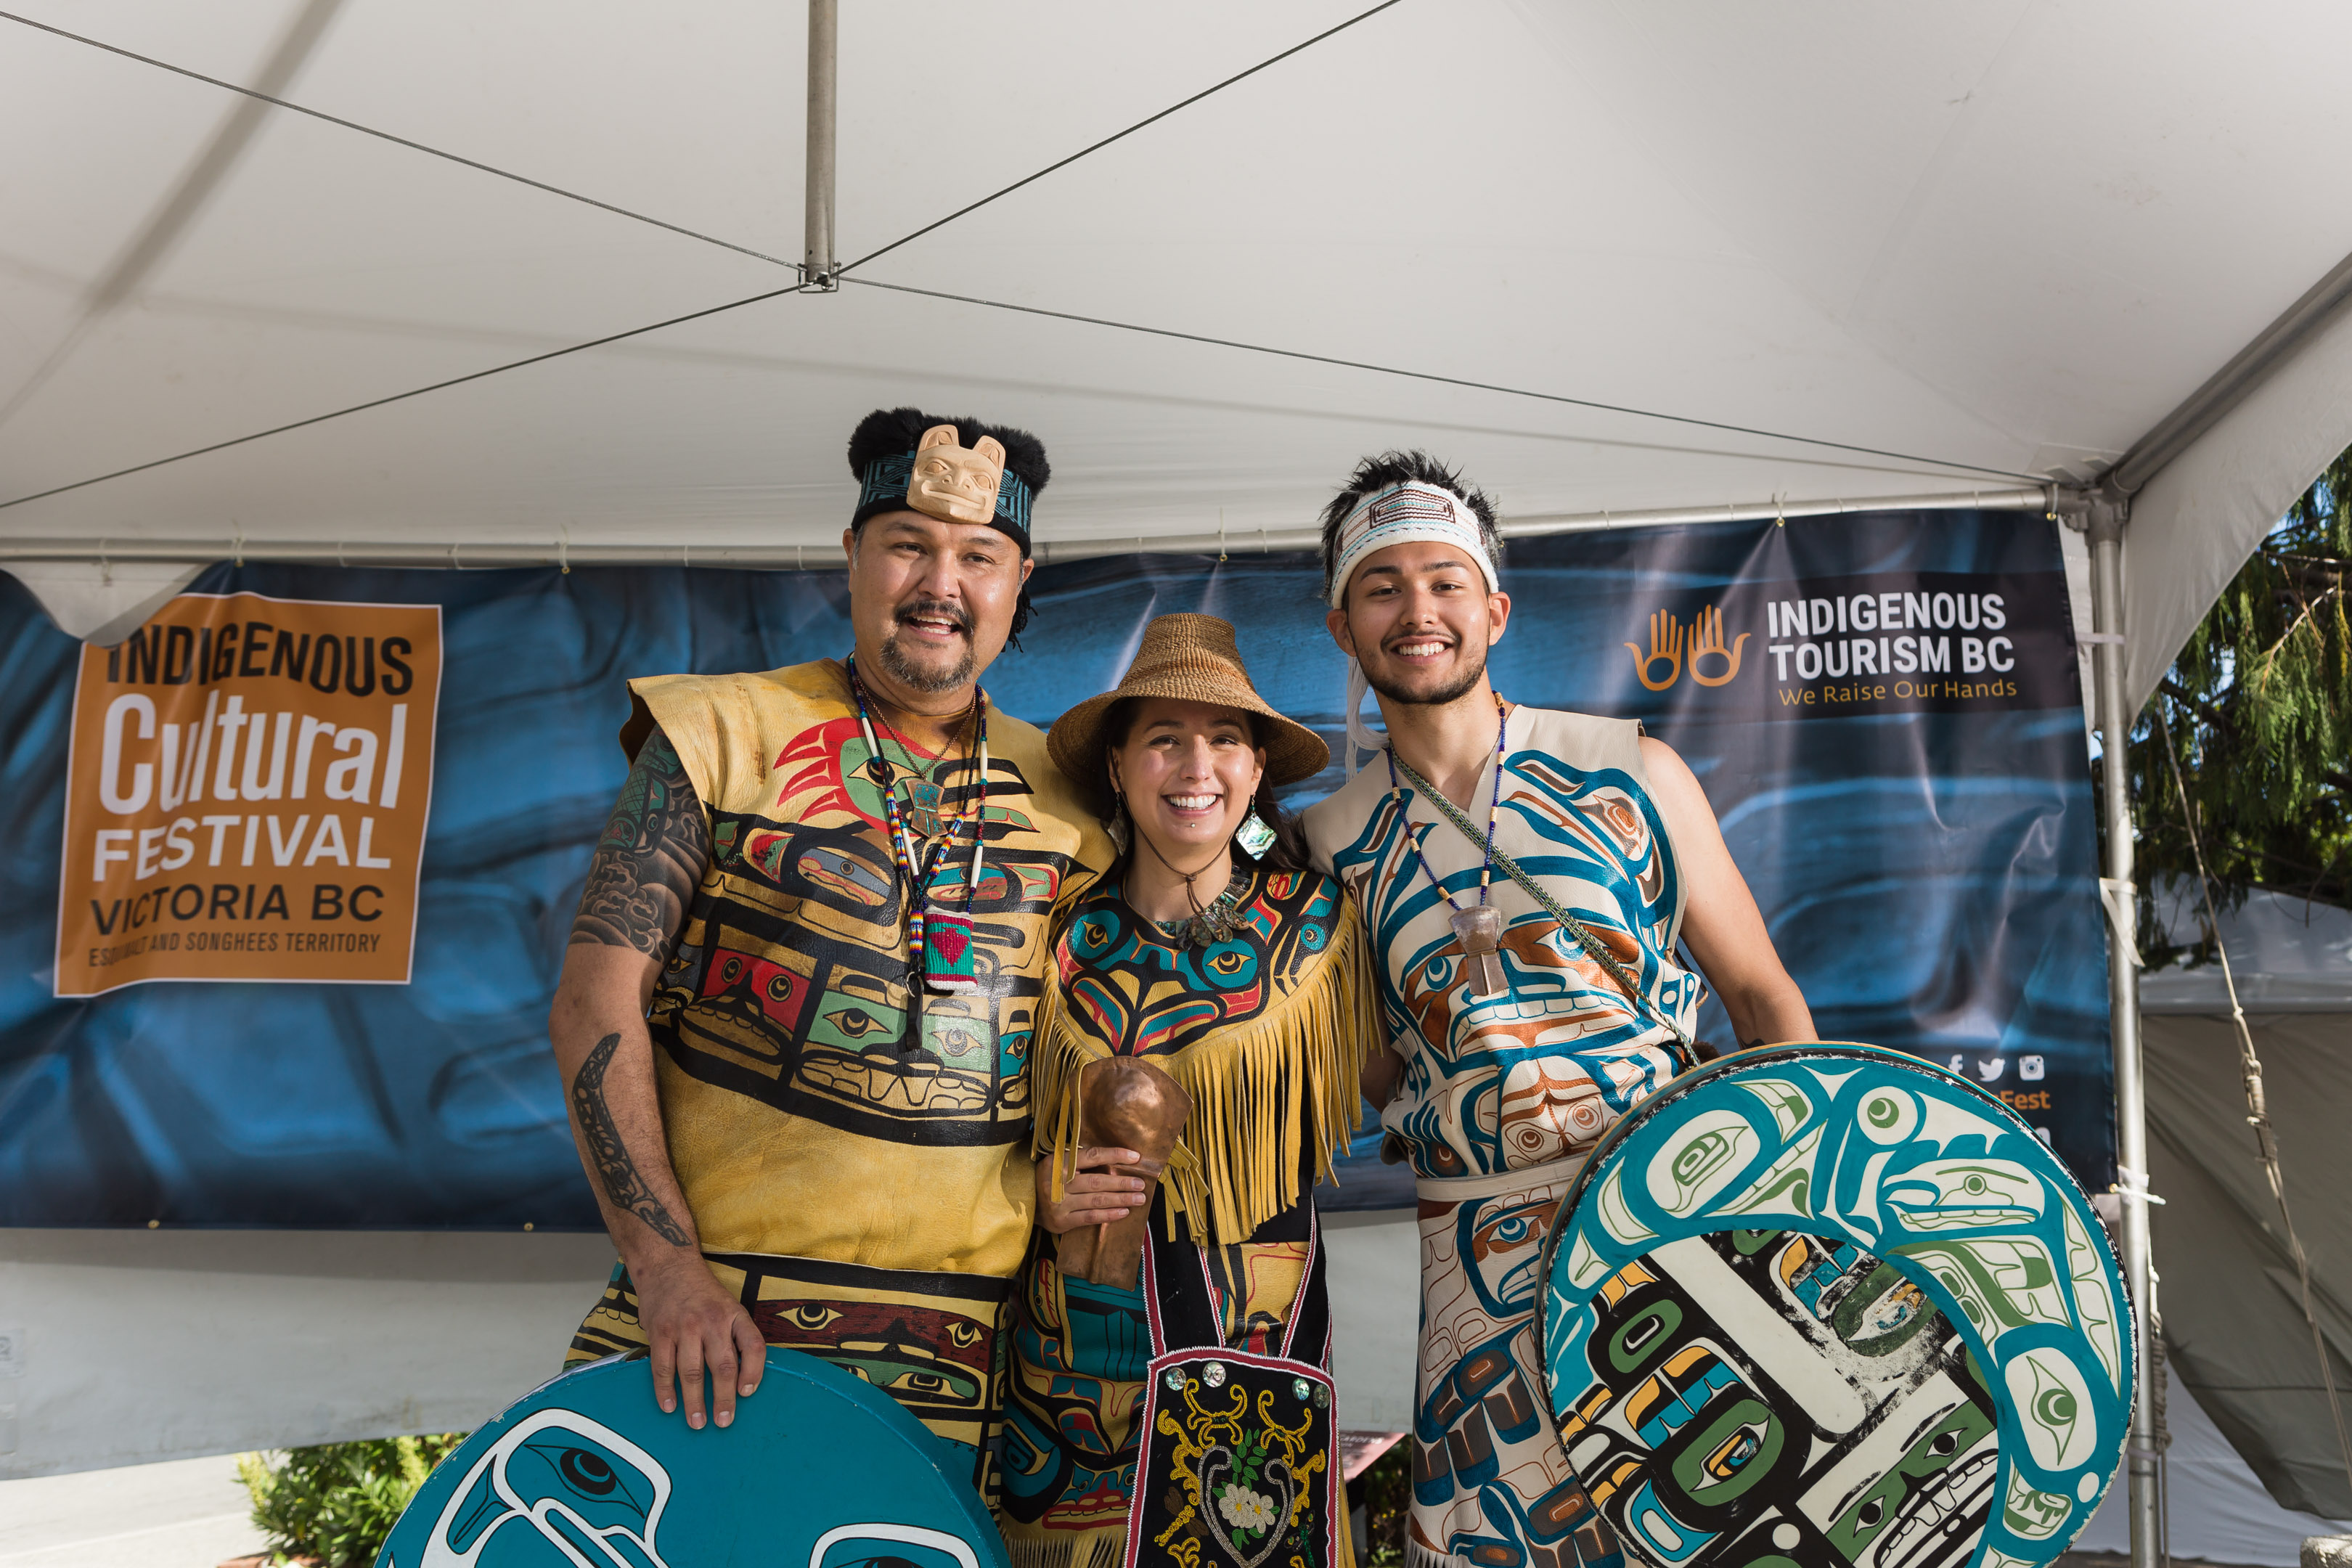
(1210, 1009)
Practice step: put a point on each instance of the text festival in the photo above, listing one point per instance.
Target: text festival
(279, 753)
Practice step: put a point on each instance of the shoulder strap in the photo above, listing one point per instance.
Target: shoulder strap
(1184, 1307)
(1576, 930)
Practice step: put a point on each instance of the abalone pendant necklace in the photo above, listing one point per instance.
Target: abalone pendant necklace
(1211, 922)
(922, 806)
(923, 797)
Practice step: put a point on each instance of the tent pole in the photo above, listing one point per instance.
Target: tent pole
(817, 262)
(2108, 514)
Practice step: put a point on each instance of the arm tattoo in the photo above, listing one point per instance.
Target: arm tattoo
(618, 1172)
(652, 856)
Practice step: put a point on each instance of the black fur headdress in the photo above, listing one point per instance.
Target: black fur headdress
(889, 433)
(882, 447)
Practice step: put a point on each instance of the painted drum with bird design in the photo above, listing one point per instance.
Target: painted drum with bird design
(818, 1470)
(1827, 1306)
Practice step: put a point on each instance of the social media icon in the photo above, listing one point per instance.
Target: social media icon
(1953, 1066)
(2030, 1068)
(1989, 1068)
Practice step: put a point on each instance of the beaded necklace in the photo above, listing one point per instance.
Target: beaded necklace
(938, 941)
(1479, 927)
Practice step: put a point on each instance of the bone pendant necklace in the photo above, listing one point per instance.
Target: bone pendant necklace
(1479, 927)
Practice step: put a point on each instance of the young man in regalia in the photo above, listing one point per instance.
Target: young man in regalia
(794, 1019)
(1526, 875)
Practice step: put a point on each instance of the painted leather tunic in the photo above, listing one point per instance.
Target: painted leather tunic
(855, 1153)
(1536, 1076)
(1500, 1096)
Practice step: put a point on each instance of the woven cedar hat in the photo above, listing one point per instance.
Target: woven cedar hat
(1192, 659)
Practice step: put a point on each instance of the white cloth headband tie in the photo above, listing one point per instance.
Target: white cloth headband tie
(1402, 514)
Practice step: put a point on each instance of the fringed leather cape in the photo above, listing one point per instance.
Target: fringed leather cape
(1266, 1031)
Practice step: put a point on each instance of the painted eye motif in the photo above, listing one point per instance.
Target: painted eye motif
(730, 972)
(1701, 1155)
(963, 1336)
(855, 1023)
(921, 1383)
(2059, 1425)
(1944, 1445)
(811, 1316)
(586, 1473)
(1872, 1512)
(780, 988)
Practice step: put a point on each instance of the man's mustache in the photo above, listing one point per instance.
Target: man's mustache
(936, 609)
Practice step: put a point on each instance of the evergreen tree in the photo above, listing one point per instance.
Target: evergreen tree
(2257, 711)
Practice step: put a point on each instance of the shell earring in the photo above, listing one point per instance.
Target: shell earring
(1254, 836)
(1121, 836)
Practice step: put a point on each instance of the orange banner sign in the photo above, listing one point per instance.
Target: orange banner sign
(247, 794)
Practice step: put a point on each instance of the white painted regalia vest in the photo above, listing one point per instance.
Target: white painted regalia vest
(1514, 1083)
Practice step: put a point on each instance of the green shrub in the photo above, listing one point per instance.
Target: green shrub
(1388, 1499)
(337, 1501)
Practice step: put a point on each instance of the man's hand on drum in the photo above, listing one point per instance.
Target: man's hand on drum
(1095, 1191)
(693, 1326)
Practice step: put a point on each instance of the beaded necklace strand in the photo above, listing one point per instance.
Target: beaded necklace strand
(917, 883)
(1494, 808)
(1478, 927)
(923, 795)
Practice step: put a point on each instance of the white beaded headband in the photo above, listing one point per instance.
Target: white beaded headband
(1402, 514)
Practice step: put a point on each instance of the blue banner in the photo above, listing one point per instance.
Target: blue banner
(1882, 707)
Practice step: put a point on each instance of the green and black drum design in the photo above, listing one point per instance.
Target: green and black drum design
(1829, 1307)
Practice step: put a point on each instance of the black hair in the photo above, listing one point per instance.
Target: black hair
(1393, 468)
(1289, 851)
(889, 431)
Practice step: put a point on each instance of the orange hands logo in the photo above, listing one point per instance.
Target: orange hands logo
(1672, 644)
(1706, 637)
(1665, 643)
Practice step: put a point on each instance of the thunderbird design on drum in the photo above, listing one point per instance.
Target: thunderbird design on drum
(1828, 1306)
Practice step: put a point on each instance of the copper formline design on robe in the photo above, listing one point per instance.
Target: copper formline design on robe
(1502, 1093)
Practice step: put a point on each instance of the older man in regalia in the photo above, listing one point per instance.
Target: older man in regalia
(794, 1019)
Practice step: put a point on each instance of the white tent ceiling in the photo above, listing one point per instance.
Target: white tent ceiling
(2012, 234)
(2009, 234)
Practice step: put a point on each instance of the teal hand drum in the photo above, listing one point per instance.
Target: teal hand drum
(1826, 1305)
(819, 1470)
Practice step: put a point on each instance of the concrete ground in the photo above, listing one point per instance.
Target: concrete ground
(184, 1513)
(193, 1514)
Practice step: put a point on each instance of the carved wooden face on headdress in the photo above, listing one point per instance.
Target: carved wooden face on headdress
(952, 483)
